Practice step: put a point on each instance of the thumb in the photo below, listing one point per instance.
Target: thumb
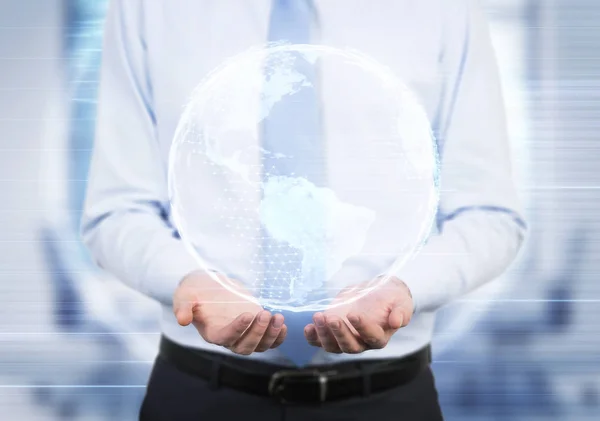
(396, 318)
(184, 311)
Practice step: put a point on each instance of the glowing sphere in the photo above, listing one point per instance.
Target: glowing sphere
(372, 215)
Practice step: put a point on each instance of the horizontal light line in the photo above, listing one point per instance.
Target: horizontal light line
(560, 188)
(76, 333)
(75, 362)
(66, 119)
(78, 26)
(528, 300)
(72, 386)
(50, 58)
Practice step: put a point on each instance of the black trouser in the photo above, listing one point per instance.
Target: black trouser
(173, 395)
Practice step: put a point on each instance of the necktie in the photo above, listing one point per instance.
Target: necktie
(292, 131)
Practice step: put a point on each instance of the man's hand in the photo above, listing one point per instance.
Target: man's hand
(223, 318)
(367, 323)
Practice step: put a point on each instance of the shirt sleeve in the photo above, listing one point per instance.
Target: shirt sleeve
(124, 221)
(480, 227)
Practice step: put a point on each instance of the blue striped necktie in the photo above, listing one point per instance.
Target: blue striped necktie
(292, 129)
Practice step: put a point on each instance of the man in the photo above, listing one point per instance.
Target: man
(372, 357)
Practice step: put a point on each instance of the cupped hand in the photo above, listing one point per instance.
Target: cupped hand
(224, 318)
(366, 323)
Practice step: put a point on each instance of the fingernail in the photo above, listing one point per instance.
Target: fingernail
(354, 319)
(319, 321)
(334, 324)
(264, 317)
(277, 322)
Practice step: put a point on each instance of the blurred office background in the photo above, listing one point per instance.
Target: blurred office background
(77, 345)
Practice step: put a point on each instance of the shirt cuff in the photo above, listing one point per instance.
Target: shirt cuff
(174, 264)
(414, 278)
(426, 275)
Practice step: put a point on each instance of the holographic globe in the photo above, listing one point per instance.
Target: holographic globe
(373, 213)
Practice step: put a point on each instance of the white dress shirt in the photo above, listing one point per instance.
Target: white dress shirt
(155, 53)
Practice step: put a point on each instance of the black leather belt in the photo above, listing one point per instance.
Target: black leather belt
(296, 385)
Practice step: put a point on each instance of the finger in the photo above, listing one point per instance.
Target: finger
(370, 332)
(328, 342)
(346, 340)
(396, 318)
(271, 334)
(184, 311)
(310, 333)
(248, 342)
(280, 338)
(229, 334)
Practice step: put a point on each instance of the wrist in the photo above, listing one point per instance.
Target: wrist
(410, 304)
(199, 273)
(199, 281)
(410, 289)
